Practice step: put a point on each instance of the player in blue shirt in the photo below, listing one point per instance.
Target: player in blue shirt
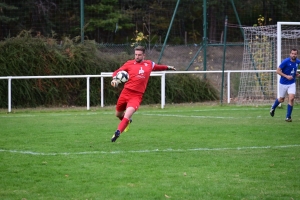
(288, 72)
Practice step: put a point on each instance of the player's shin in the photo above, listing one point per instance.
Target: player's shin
(276, 103)
(289, 111)
(123, 124)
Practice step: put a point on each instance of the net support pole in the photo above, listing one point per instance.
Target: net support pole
(204, 36)
(167, 36)
(224, 57)
(82, 20)
(237, 17)
(194, 58)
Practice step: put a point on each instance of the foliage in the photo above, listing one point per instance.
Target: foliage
(261, 21)
(113, 21)
(27, 55)
(3, 17)
(105, 16)
(140, 39)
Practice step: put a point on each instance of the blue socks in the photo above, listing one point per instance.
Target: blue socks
(289, 111)
(276, 103)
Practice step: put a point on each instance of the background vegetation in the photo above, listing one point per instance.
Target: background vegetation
(111, 22)
(40, 56)
(116, 21)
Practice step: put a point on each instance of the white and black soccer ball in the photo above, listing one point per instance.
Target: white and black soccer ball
(123, 76)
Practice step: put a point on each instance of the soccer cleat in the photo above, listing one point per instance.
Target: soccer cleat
(115, 136)
(127, 127)
(272, 112)
(288, 119)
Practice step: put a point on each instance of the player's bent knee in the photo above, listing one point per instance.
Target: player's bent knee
(119, 114)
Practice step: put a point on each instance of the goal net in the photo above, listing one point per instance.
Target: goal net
(264, 49)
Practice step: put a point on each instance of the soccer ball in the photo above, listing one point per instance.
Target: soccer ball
(123, 76)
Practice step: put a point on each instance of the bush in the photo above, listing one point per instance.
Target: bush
(180, 88)
(26, 55)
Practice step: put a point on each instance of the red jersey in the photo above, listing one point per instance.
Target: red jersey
(139, 73)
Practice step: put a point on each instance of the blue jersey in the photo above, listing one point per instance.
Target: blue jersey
(289, 68)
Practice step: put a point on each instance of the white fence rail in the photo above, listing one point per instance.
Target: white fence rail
(109, 74)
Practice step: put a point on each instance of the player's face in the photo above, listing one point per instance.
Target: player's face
(293, 55)
(139, 56)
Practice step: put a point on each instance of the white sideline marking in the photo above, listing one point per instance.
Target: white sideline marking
(146, 114)
(145, 151)
(193, 116)
(154, 112)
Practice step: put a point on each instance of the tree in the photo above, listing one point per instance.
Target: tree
(116, 21)
(5, 20)
(105, 17)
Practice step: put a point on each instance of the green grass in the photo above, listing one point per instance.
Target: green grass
(180, 152)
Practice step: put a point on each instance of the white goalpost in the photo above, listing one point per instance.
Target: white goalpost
(285, 36)
(264, 49)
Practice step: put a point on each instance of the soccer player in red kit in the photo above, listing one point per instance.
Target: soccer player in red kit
(139, 71)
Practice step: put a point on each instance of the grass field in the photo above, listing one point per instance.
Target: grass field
(180, 152)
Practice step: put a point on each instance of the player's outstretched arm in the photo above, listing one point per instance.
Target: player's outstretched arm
(163, 67)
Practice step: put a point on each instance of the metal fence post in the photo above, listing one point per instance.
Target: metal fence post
(9, 94)
(88, 93)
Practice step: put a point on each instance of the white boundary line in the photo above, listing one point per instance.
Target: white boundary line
(141, 111)
(190, 116)
(146, 151)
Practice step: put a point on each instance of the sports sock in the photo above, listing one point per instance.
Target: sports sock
(276, 103)
(289, 111)
(123, 124)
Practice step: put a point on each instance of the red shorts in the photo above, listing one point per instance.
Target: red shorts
(129, 98)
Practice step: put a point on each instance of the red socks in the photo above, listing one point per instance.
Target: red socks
(123, 124)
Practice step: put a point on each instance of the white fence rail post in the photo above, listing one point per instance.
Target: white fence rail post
(228, 87)
(104, 74)
(88, 93)
(102, 92)
(9, 94)
(163, 90)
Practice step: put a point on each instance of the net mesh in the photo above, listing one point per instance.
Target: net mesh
(260, 53)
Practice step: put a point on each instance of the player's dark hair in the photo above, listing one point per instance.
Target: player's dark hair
(140, 48)
(294, 50)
